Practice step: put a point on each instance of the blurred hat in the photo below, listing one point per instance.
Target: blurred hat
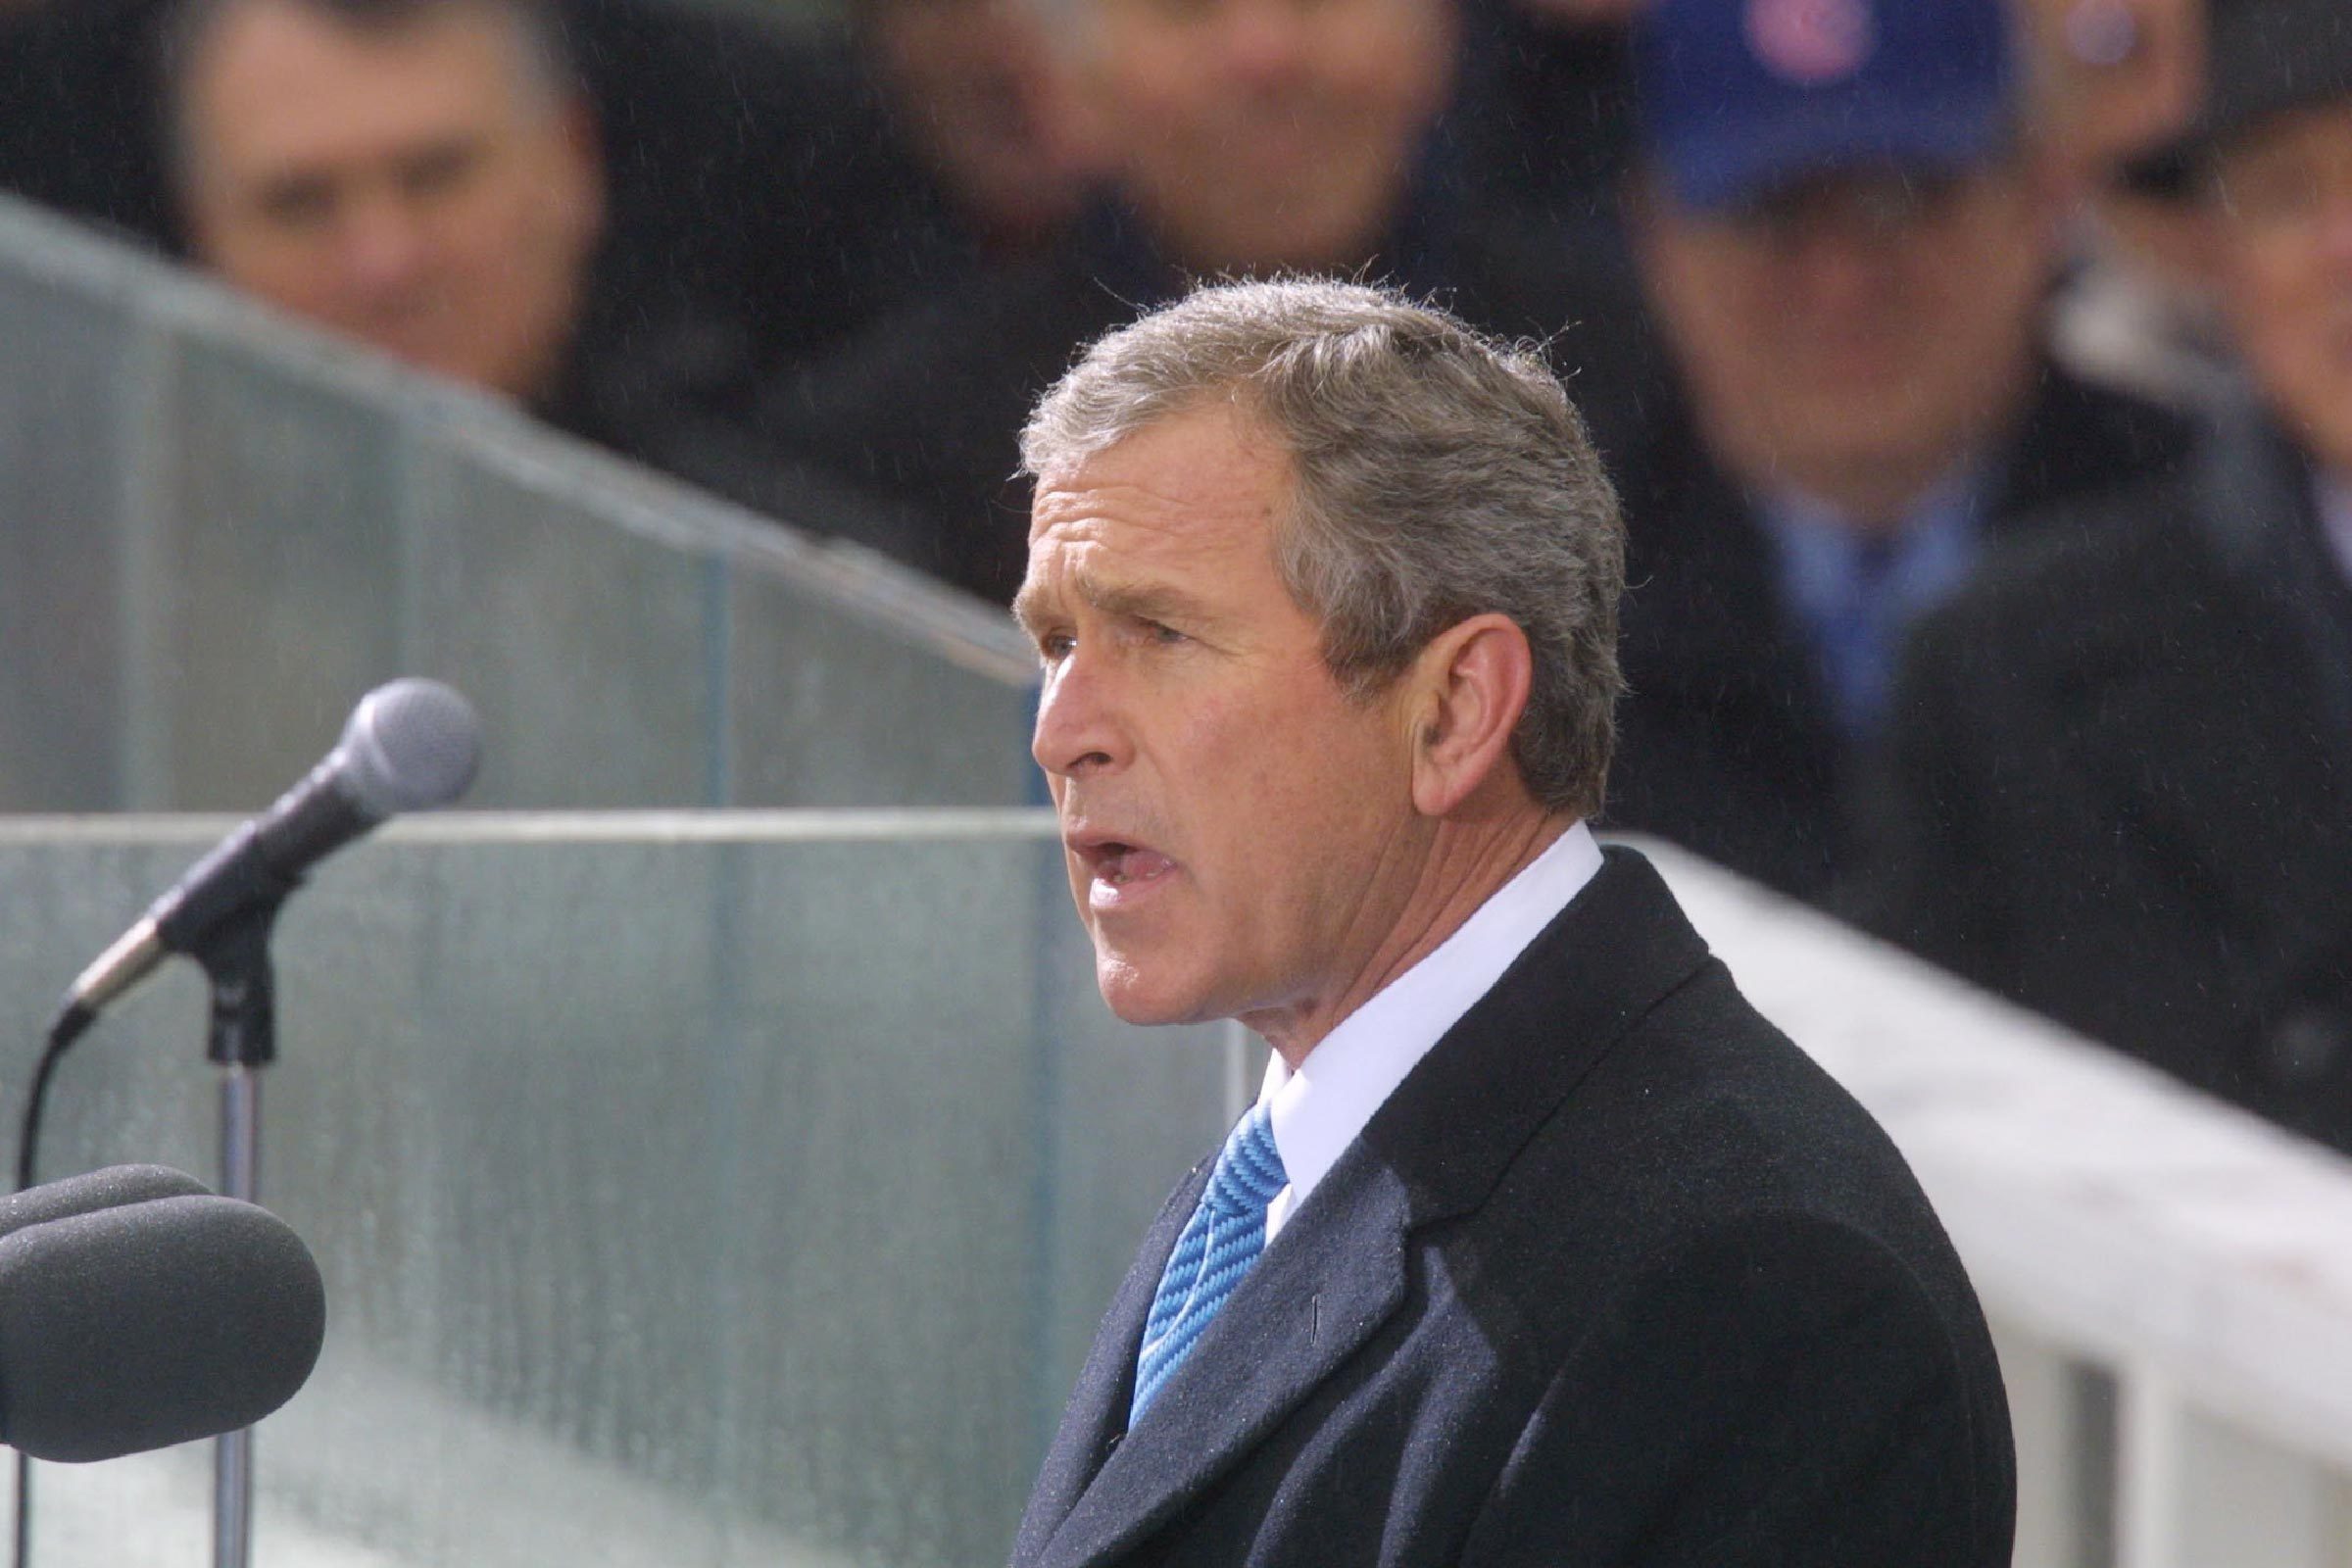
(1741, 98)
(2261, 58)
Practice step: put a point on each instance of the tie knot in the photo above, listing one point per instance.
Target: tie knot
(1248, 1170)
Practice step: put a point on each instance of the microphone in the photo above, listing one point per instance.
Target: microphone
(410, 743)
(109, 1188)
(152, 1323)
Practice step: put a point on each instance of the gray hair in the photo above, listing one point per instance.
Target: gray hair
(1437, 475)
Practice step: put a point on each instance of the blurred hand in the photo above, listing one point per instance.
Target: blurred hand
(2110, 79)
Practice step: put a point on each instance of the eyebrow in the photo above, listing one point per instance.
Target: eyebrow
(1125, 601)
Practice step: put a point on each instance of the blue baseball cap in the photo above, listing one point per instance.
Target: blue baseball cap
(1742, 98)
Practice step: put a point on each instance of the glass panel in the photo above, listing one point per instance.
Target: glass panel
(590, 651)
(275, 584)
(693, 1202)
(63, 445)
(833, 707)
(222, 530)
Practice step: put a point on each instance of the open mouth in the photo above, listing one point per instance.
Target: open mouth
(1121, 864)
(1117, 867)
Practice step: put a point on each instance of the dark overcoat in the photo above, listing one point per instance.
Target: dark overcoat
(2122, 783)
(1616, 1277)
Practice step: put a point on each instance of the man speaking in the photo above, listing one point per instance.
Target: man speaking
(1539, 1246)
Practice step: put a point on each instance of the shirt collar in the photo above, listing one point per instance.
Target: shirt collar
(1822, 550)
(1318, 1111)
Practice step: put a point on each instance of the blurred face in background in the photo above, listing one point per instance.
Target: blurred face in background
(421, 186)
(1854, 335)
(1255, 134)
(987, 105)
(2282, 206)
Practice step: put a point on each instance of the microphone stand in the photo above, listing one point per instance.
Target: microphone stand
(242, 1039)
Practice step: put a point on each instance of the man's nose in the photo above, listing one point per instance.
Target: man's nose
(1843, 268)
(1079, 730)
(1262, 42)
(384, 246)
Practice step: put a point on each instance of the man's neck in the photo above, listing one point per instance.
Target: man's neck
(1466, 864)
(1876, 501)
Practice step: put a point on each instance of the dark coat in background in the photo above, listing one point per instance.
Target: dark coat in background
(2122, 783)
(1617, 1276)
(1727, 743)
(1546, 108)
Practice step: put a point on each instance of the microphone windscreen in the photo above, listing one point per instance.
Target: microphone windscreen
(153, 1323)
(86, 1194)
(410, 743)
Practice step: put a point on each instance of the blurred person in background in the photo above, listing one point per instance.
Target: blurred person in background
(2110, 81)
(2124, 758)
(1848, 242)
(1547, 106)
(77, 97)
(418, 175)
(978, 101)
(1235, 138)
(768, 189)
(1251, 135)
(425, 176)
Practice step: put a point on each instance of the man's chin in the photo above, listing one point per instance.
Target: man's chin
(1136, 996)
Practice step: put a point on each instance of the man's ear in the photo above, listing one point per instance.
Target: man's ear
(579, 146)
(1470, 686)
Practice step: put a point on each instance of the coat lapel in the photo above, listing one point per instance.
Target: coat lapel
(1314, 1295)
(1095, 1418)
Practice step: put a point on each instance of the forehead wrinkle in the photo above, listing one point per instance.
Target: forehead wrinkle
(1079, 513)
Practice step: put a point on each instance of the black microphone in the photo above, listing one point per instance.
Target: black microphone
(152, 1323)
(410, 743)
(86, 1194)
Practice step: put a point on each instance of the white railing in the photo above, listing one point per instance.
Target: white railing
(2170, 1280)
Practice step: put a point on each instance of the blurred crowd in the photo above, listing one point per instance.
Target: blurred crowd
(1976, 377)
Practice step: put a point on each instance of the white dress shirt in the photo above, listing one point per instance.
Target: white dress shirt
(1318, 1111)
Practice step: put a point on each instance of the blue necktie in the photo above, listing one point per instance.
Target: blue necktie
(1222, 1239)
(1859, 637)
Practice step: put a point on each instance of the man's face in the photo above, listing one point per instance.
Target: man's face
(1265, 133)
(1235, 822)
(420, 189)
(1854, 335)
(980, 91)
(2282, 221)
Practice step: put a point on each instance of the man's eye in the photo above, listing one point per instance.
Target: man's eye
(1165, 636)
(303, 204)
(1056, 645)
(437, 171)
